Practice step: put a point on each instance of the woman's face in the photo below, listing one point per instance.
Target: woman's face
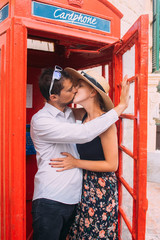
(83, 92)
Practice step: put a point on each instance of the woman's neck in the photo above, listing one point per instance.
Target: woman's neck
(93, 111)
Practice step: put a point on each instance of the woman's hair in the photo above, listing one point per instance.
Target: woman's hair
(101, 103)
(45, 82)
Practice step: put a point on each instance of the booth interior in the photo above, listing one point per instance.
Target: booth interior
(46, 50)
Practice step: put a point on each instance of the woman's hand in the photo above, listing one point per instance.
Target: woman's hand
(65, 163)
(124, 98)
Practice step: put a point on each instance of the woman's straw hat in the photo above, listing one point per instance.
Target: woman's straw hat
(96, 81)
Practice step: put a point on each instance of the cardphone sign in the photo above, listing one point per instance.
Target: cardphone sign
(71, 17)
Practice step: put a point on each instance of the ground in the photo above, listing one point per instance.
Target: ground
(153, 213)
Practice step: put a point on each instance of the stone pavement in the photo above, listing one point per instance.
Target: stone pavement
(153, 213)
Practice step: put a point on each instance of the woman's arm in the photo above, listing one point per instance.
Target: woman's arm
(110, 149)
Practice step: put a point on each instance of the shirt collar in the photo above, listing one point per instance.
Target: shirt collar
(55, 111)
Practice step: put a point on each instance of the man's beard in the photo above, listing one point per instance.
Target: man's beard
(66, 104)
(70, 102)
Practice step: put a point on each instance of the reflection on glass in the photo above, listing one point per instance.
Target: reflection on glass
(129, 62)
(128, 167)
(127, 133)
(126, 235)
(107, 72)
(127, 204)
(130, 108)
(96, 69)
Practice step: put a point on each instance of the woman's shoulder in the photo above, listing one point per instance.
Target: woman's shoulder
(111, 130)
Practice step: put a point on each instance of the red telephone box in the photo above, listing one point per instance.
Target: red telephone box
(84, 35)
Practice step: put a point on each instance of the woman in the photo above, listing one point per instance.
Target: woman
(97, 214)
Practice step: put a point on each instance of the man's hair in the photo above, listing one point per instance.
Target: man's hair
(45, 82)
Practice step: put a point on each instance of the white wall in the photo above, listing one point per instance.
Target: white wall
(131, 10)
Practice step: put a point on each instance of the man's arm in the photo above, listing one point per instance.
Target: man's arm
(51, 131)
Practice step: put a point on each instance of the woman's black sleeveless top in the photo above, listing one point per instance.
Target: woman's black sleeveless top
(91, 150)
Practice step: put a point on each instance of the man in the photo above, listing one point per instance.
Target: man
(53, 130)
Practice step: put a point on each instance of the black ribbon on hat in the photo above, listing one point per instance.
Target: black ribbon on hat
(93, 80)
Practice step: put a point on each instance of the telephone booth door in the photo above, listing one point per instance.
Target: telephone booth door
(132, 58)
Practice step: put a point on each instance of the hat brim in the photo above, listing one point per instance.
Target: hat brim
(77, 76)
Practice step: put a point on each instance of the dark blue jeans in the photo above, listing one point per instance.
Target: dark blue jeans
(51, 219)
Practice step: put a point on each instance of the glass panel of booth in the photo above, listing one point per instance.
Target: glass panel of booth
(127, 133)
(128, 62)
(128, 68)
(98, 69)
(40, 45)
(127, 168)
(107, 72)
(4, 13)
(127, 206)
(125, 232)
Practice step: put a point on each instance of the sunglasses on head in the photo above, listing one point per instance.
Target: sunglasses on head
(56, 75)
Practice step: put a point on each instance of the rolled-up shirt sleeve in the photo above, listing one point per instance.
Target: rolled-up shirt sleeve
(46, 130)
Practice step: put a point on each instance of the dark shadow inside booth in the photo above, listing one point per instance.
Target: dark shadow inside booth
(44, 52)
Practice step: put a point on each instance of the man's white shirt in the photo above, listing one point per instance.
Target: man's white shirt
(53, 132)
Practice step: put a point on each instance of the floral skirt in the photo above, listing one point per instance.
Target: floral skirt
(97, 214)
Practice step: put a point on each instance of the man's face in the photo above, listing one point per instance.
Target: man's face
(67, 93)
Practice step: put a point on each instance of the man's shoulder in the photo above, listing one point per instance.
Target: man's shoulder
(41, 112)
(41, 115)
